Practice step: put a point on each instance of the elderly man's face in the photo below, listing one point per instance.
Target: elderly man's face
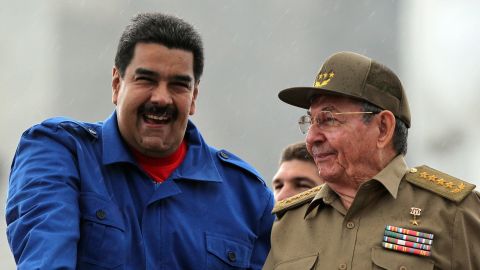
(347, 149)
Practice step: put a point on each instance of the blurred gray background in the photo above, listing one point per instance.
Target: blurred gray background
(56, 58)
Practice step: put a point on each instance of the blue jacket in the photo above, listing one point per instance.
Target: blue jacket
(78, 200)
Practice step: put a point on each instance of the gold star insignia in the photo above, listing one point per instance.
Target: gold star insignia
(432, 177)
(449, 185)
(424, 175)
(441, 182)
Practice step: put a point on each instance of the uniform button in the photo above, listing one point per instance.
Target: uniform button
(93, 132)
(224, 155)
(101, 214)
(232, 256)
(342, 266)
(350, 225)
(403, 268)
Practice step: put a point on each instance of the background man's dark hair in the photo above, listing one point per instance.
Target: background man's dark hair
(296, 151)
(167, 30)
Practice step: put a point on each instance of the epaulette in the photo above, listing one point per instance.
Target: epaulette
(230, 158)
(296, 200)
(72, 126)
(440, 183)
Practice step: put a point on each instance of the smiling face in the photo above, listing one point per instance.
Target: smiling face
(155, 98)
(350, 151)
(293, 177)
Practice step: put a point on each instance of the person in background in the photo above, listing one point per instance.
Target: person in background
(296, 173)
(141, 190)
(373, 212)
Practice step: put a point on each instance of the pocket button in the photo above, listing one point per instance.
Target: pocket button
(350, 225)
(232, 256)
(101, 214)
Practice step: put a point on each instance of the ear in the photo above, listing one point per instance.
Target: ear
(194, 98)
(386, 127)
(116, 83)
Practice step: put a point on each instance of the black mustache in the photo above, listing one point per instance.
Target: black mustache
(159, 110)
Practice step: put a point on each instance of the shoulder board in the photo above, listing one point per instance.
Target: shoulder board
(296, 200)
(230, 158)
(440, 183)
(72, 126)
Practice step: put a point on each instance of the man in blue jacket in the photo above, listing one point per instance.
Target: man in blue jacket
(141, 190)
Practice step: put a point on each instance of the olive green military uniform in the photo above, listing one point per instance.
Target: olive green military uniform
(314, 230)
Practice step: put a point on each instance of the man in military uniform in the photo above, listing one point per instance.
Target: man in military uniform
(373, 212)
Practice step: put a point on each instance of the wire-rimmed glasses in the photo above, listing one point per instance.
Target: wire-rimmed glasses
(323, 120)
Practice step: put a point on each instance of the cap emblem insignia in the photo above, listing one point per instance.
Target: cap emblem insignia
(323, 79)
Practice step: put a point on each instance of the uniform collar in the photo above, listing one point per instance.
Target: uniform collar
(114, 148)
(197, 165)
(392, 174)
(325, 196)
(390, 177)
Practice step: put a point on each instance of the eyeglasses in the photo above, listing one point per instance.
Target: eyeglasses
(324, 120)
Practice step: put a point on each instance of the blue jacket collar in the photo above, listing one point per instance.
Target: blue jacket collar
(114, 148)
(198, 164)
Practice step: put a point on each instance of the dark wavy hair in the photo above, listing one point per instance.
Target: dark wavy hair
(296, 151)
(167, 30)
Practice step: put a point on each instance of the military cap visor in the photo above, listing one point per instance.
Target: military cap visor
(355, 76)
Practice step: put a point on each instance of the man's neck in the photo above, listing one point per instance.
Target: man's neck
(347, 187)
(345, 191)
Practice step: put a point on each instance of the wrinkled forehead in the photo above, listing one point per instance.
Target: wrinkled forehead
(334, 103)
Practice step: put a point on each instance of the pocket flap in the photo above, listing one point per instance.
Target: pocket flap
(229, 250)
(390, 259)
(96, 209)
(304, 263)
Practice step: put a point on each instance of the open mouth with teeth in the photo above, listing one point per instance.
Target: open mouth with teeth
(157, 119)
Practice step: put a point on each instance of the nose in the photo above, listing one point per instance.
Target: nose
(314, 136)
(161, 95)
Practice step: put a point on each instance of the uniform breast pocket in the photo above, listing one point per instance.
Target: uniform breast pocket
(225, 252)
(303, 263)
(389, 259)
(102, 242)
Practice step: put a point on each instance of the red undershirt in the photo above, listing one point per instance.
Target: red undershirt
(159, 169)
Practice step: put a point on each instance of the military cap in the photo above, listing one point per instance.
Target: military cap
(356, 76)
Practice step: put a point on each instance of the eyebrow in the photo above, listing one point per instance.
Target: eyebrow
(329, 108)
(151, 73)
(147, 72)
(182, 78)
(276, 180)
(304, 179)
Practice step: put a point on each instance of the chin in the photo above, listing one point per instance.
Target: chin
(155, 147)
(328, 173)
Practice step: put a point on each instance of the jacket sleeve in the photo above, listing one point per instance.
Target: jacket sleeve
(466, 239)
(262, 244)
(42, 211)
